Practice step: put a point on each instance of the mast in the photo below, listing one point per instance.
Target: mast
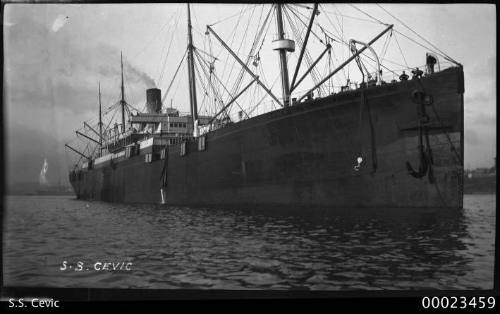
(192, 79)
(283, 64)
(100, 117)
(122, 101)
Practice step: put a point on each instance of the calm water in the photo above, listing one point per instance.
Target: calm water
(232, 249)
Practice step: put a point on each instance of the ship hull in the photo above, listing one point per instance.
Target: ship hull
(305, 156)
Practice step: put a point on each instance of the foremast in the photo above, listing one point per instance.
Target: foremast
(191, 76)
(100, 121)
(122, 100)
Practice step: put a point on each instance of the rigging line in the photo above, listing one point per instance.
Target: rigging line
(165, 41)
(296, 14)
(232, 35)
(351, 17)
(401, 51)
(334, 27)
(230, 95)
(179, 80)
(151, 40)
(168, 51)
(175, 75)
(381, 65)
(237, 52)
(341, 25)
(202, 85)
(352, 5)
(85, 150)
(385, 47)
(265, 32)
(211, 101)
(265, 96)
(342, 50)
(314, 74)
(341, 33)
(215, 93)
(347, 45)
(255, 95)
(256, 38)
(261, 33)
(302, 6)
(255, 43)
(421, 37)
(144, 106)
(227, 18)
(403, 67)
(332, 35)
(334, 55)
(207, 64)
(423, 46)
(231, 44)
(364, 57)
(165, 58)
(197, 23)
(210, 48)
(263, 75)
(303, 23)
(128, 88)
(207, 54)
(110, 120)
(237, 83)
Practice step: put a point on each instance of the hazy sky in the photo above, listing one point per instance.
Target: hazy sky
(55, 54)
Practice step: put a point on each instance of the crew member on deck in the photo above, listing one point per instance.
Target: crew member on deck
(347, 86)
(431, 61)
(403, 77)
(417, 73)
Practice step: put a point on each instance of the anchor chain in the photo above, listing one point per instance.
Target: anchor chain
(359, 159)
(426, 160)
(163, 178)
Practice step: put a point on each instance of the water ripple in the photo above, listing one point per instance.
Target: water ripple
(185, 248)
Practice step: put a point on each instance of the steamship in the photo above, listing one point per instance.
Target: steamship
(381, 143)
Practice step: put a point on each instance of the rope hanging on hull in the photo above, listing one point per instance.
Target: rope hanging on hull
(163, 177)
(372, 134)
(426, 160)
(364, 103)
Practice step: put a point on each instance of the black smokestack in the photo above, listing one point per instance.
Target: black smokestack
(153, 100)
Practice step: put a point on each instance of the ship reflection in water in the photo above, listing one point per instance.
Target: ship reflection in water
(231, 249)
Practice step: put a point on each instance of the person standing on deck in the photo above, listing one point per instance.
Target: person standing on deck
(430, 62)
(403, 77)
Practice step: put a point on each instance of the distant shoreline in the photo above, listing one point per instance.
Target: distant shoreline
(37, 194)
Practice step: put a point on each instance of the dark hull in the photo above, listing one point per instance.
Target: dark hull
(304, 155)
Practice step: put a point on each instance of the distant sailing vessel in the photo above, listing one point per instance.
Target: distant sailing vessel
(379, 143)
(45, 188)
(42, 179)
